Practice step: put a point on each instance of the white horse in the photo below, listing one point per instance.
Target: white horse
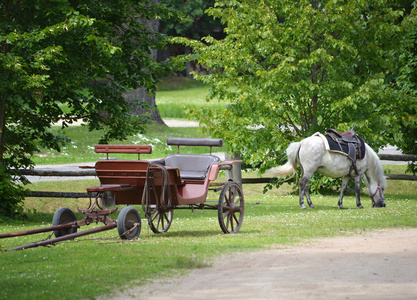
(312, 156)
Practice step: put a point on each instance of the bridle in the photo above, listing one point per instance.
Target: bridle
(379, 190)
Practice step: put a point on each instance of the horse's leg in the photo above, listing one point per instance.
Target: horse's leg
(304, 191)
(358, 181)
(303, 185)
(345, 181)
(307, 192)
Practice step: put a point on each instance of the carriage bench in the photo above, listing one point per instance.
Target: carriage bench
(123, 179)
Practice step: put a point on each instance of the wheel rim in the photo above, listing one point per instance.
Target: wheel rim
(130, 222)
(231, 208)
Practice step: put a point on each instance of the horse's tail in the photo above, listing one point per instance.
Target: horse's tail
(290, 167)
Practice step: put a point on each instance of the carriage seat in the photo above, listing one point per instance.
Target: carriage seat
(191, 166)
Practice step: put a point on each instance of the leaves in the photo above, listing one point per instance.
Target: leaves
(72, 60)
(291, 68)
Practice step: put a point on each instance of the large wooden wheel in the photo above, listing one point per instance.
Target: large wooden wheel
(158, 208)
(231, 207)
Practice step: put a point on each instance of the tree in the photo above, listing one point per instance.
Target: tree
(81, 55)
(142, 93)
(292, 68)
(405, 79)
(196, 25)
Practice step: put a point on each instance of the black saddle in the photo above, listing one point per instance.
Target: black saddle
(349, 143)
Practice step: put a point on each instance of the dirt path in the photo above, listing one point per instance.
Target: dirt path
(377, 265)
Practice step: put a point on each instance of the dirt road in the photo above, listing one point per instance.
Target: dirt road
(377, 265)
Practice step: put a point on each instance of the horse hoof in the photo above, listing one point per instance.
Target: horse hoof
(312, 206)
(303, 207)
(341, 207)
(360, 206)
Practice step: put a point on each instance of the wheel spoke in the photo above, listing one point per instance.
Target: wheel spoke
(161, 218)
(158, 221)
(155, 215)
(237, 221)
(227, 217)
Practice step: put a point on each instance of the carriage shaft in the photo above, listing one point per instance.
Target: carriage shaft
(39, 230)
(66, 237)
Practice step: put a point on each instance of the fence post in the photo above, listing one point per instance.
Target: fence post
(235, 173)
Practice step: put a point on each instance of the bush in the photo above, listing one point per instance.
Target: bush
(11, 195)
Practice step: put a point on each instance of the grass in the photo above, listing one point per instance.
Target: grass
(178, 95)
(97, 264)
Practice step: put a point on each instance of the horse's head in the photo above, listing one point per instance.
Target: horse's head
(376, 192)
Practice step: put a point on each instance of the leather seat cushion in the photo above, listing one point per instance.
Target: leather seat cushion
(191, 166)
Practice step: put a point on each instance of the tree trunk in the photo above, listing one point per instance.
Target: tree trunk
(2, 127)
(188, 66)
(141, 93)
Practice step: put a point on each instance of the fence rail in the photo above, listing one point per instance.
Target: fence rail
(236, 175)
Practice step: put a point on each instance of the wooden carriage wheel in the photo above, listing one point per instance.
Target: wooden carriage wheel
(158, 196)
(231, 208)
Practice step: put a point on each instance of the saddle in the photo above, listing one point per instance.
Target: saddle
(349, 143)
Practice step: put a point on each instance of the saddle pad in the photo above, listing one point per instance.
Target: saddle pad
(332, 146)
(335, 147)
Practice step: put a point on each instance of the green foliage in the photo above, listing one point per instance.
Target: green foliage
(292, 68)
(11, 196)
(405, 79)
(197, 24)
(79, 55)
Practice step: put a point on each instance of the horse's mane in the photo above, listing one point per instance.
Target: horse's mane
(374, 166)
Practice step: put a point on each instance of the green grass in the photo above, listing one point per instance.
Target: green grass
(180, 94)
(97, 264)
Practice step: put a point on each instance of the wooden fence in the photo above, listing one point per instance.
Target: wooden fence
(234, 173)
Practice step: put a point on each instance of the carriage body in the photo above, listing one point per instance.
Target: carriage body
(178, 181)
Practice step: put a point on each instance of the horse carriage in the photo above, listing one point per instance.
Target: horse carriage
(178, 181)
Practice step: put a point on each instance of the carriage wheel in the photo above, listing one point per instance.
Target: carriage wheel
(64, 215)
(129, 223)
(159, 209)
(159, 219)
(231, 208)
